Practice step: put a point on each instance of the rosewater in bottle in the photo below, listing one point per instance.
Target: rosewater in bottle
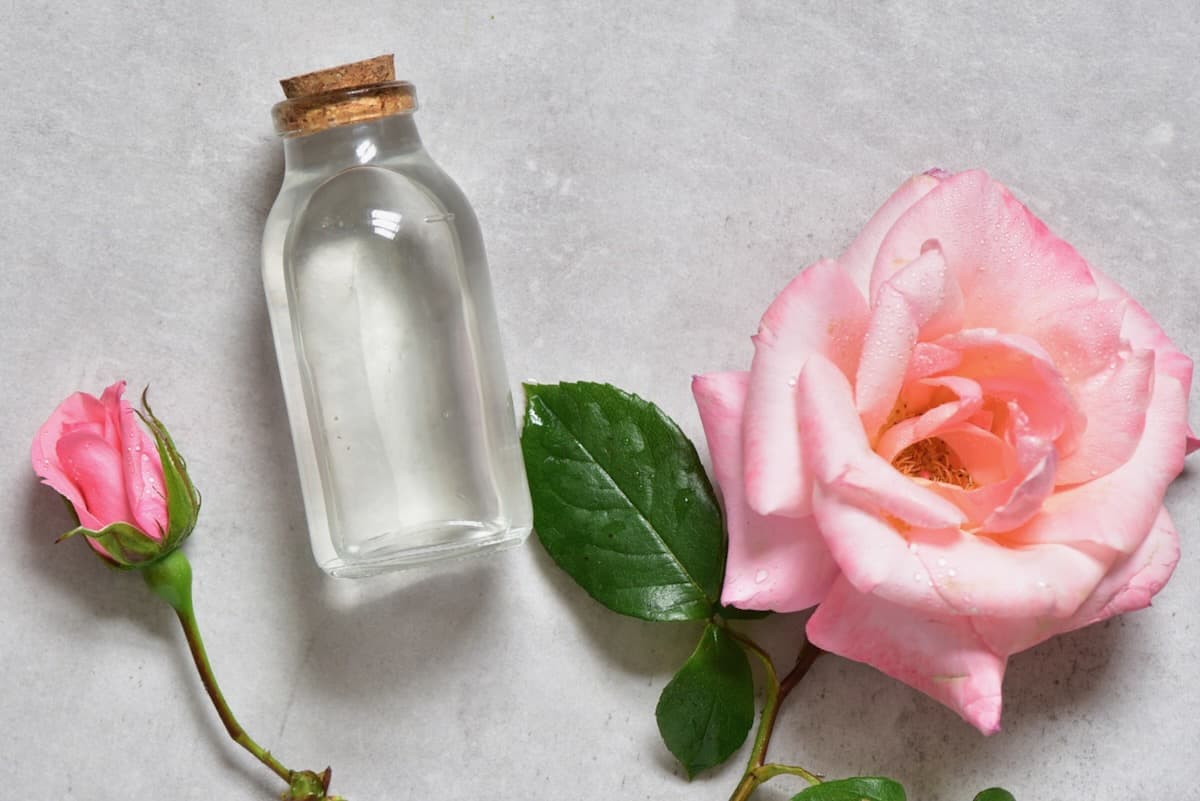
(386, 335)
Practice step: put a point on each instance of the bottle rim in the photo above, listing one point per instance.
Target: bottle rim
(309, 114)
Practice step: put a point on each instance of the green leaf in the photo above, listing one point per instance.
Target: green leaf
(859, 788)
(127, 546)
(621, 501)
(707, 709)
(995, 794)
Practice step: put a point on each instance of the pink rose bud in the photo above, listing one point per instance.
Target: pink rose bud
(954, 441)
(129, 488)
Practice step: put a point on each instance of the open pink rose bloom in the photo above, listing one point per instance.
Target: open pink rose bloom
(954, 441)
(96, 455)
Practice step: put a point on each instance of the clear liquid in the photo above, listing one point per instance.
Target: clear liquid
(389, 353)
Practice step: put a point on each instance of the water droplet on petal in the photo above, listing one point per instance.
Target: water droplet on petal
(760, 577)
(941, 563)
(791, 382)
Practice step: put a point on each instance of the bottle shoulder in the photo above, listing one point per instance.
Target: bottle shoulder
(377, 181)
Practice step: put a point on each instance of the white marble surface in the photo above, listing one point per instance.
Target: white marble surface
(648, 175)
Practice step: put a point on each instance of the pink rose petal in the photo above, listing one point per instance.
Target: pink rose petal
(921, 301)
(773, 562)
(1128, 586)
(94, 466)
(1116, 510)
(1014, 368)
(1084, 340)
(1012, 270)
(1143, 332)
(821, 311)
(859, 258)
(937, 420)
(940, 655)
(839, 457)
(1114, 401)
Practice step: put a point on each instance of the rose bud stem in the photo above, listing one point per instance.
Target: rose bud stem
(171, 579)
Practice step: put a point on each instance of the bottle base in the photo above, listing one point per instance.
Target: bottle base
(396, 550)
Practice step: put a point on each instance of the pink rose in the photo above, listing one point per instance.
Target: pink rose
(954, 441)
(95, 454)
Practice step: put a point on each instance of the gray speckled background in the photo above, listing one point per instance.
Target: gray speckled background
(647, 178)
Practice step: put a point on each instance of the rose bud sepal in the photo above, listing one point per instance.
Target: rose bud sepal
(126, 546)
(307, 785)
(183, 499)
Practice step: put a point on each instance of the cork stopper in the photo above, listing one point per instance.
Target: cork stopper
(348, 76)
(349, 93)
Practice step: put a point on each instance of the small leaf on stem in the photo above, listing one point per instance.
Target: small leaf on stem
(995, 794)
(859, 788)
(707, 709)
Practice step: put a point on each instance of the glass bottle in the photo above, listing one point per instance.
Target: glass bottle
(386, 335)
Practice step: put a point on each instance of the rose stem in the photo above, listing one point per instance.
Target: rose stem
(758, 770)
(171, 579)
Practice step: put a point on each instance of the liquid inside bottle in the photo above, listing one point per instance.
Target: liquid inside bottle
(388, 344)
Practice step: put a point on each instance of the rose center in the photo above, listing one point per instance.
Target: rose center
(932, 459)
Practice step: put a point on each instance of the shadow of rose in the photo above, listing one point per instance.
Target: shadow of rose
(79, 574)
(849, 719)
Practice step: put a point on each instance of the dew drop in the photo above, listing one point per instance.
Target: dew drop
(951, 572)
(1042, 584)
(917, 577)
(760, 577)
(791, 382)
(912, 546)
(941, 563)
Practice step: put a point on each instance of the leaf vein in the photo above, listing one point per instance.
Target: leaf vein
(646, 520)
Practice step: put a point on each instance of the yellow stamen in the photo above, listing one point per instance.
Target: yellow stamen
(932, 459)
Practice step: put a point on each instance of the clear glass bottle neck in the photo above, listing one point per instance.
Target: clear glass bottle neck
(345, 146)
